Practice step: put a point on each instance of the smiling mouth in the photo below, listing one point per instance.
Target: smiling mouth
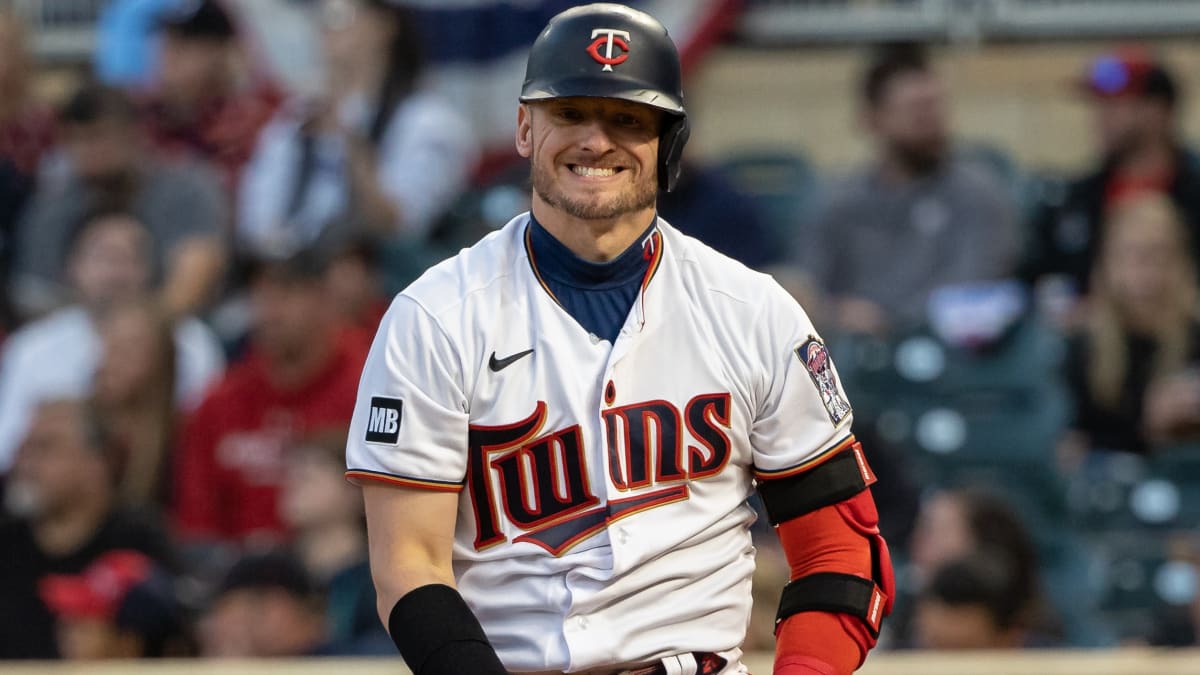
(594, 171)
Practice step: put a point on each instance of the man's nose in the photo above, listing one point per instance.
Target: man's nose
(594, 136)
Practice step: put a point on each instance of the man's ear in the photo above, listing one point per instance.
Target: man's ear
(524, 131)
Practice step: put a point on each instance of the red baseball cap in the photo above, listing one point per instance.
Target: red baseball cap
(100, 590)
(1129, 71)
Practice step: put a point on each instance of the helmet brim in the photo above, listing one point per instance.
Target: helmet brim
(605, 87)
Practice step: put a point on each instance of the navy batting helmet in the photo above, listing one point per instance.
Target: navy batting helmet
(613, 51)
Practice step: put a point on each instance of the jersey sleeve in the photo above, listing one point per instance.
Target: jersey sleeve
(803, 414)
(410, 421)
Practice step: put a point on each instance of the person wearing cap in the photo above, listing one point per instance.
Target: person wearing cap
(298, 378)
(122, 606)
(557, 431)
(202, 105)
(1136, 101)
(61, 501)
(267, 606)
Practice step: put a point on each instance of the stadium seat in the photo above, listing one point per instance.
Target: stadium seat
(784, 185)
(1002, 406)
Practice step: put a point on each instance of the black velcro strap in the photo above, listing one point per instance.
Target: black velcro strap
(833, 592)
(836, 479)
(437, 634)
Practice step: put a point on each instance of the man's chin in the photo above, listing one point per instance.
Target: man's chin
(595, 207)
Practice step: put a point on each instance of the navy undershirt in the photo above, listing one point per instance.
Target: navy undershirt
(598, 295)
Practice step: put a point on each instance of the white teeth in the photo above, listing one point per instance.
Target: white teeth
(592, 171)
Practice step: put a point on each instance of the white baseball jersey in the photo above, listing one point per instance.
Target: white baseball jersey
(602, 512)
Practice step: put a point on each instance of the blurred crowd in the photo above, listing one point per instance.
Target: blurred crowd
(195, 264)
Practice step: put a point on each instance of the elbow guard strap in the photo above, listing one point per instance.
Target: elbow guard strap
(836, 479)
(437, 634)
(834, 592)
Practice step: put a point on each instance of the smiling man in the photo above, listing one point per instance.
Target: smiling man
(557, 430)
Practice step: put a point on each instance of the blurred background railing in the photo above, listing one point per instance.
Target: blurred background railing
(840, 21)
(63, 30)
(1122, 662)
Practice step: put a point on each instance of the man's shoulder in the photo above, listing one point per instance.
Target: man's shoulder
(49, 334)
(703, 266)
(474, 274)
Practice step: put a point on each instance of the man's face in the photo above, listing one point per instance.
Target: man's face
(54, 463)
(1125, 123)
(941, 533)
(101, 150)
(191, 69)
(110, 260)
(592, 158)
(285, 311)
(911, 119)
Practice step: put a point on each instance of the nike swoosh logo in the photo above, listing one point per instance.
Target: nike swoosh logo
(498, 365)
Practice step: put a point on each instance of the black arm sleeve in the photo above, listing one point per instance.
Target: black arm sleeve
(437, 634)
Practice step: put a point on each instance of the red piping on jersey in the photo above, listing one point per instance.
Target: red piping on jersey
(800, 468)
(652, 251)
(437, 486)
(534, 267)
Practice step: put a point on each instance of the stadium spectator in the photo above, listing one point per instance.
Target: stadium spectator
(109, 264)
(355, 287)
(954, 524)
(324, 515)
(299, 379)
(108, 168)
(1129, 366)
(203, 106)
(122, 606)
(376, 153)
(134, 391)
(1136, 101)
(267, 607)
(916, 218)
(972, 602)
(26, 133)
(61, 499)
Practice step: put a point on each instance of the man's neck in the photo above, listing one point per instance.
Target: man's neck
(593, 240)
(64, 533)
(1152, 159)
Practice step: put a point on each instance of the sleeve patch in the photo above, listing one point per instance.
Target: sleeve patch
(815, 358)
(383, 424)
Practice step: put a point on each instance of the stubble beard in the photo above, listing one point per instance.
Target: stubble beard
(639, 197)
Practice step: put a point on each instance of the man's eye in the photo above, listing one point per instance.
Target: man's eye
(569, 114)
(627, 120)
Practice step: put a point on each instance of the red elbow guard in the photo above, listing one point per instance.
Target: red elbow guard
(842, 581)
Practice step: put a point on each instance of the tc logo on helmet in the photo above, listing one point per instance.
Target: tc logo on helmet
(606, 38)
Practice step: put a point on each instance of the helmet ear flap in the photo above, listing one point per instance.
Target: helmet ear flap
(670, 152)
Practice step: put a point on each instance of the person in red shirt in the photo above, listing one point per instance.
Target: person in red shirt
(203, 106)
(299, 380)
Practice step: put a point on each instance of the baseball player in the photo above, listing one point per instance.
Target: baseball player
(558, 429)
